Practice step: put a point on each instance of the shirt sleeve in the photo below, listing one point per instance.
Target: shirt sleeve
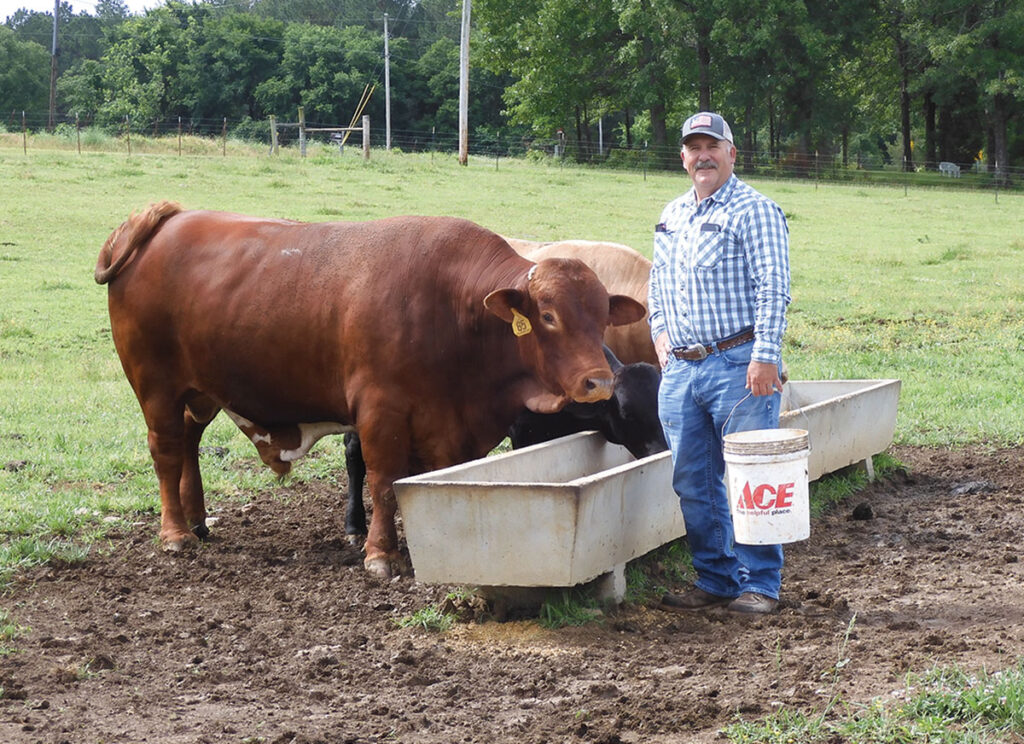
(768, 241)
(659, 266)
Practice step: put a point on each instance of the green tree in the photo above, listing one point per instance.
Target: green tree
(323, 69)
(339, 13)
(79, 36)
(434, 82)
(80, 90)
(111, 12)
(24, 73)
(983, 43)
(146, 69)
(563, 57)
(235, 54)
(789, 69)
(438, 69)
(660, 59)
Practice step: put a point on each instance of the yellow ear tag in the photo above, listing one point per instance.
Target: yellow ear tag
(520, 323)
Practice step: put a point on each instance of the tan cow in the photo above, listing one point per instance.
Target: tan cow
(623, 271)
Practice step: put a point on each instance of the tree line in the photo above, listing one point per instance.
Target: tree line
(906, 83)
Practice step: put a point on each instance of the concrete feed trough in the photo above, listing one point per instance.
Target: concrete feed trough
(568, 511)
(554, 514)
(847, 421)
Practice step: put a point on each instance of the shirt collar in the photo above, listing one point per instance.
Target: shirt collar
(721, 196)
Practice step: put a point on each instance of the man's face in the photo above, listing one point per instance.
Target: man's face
(709, 162)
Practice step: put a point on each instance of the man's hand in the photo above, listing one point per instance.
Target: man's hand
(762, 378)
(662, 349)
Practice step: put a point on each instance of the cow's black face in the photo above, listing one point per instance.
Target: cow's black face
(634, 423)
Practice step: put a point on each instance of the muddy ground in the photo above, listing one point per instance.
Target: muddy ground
(273, 633)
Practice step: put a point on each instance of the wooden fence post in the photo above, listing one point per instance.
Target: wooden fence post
(273, 135)
(302, 132)
(366, 137)
(224, 138)
(78, 134)
(128, 133)
(179, 136)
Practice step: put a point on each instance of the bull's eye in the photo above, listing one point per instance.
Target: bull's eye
(548, 318)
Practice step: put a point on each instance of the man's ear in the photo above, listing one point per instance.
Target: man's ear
(502, 301)
(623, 310)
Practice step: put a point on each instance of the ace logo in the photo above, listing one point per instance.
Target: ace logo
(766, 496)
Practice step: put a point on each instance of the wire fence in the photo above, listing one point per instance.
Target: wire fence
(34, 130)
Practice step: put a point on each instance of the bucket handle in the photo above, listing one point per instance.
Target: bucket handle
(784, 397)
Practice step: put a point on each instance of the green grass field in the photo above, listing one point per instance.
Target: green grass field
(925, 285)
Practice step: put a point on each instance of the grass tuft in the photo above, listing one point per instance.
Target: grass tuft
(429, 618)
(9, 631)
(836, 488)
(649, 577)
(569, 607)
(946, 705)
(25, 552)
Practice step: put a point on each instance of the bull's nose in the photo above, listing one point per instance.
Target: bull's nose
(596, 388)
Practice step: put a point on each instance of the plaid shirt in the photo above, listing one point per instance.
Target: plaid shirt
(720, 266)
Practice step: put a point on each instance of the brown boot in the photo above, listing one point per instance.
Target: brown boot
(693, 599)
(753, 602)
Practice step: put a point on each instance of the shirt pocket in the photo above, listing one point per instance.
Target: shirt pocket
(716, 249)
(663, 242)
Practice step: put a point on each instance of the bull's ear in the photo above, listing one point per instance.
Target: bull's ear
(623, 310)
(501, 302)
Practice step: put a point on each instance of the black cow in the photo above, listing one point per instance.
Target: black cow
(629, 418)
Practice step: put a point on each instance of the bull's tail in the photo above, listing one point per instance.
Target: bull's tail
(123, 243)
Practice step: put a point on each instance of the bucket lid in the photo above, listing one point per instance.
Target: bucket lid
(766, 442)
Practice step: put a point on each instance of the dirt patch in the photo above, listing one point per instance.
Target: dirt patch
(273, 633)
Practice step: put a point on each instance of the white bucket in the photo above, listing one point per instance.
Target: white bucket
(766, 477)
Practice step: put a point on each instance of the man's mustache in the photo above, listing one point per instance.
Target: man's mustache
(705, 165)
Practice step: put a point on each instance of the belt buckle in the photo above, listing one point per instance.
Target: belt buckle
(699, 349)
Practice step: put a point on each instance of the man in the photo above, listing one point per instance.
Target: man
(718, 296)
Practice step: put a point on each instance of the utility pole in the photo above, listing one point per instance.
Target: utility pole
(464, 86)
(53, 68)
(387, 88)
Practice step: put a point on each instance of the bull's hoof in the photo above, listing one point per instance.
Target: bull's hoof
(201, 531)
(380, 567)
(179, 543)
(356, 540)
(387, 566)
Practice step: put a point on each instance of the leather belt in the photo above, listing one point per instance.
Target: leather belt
(697, 352)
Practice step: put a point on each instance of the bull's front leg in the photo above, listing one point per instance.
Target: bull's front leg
(382, 556)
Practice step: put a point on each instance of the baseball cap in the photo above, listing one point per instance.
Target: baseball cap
(707, 123)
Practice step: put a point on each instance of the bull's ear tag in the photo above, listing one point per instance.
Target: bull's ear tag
(520, 323)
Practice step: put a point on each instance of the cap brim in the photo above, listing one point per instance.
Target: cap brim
(716, 135)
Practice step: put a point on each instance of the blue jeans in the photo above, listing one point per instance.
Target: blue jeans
(695, 402)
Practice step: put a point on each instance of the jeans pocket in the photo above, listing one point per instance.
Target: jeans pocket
(738, 356)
